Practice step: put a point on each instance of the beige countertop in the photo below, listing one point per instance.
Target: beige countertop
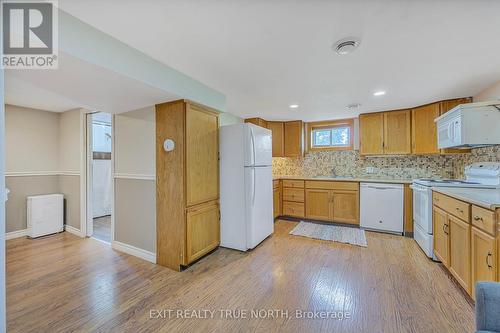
(353, 179)
(487, 198)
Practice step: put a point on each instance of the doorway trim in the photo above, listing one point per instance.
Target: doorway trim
(87, 176)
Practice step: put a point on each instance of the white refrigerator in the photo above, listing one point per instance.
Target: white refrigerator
(246, 186)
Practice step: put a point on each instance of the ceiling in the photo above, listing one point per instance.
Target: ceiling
(265, 55)
(79, 84)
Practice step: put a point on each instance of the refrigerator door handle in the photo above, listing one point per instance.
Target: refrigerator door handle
(253, 146)
(253, 188)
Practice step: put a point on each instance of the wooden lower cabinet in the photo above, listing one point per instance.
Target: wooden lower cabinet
(276, 202)
(319, 204)
(483, 255)
(459, 236)
(346, 207)
(202, 230)
(441, 242)
(294, 209)
(332, 205)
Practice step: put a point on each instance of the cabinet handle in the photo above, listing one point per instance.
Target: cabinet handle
(487, 261)
(460, 210)
(477, 218)
(445, 227)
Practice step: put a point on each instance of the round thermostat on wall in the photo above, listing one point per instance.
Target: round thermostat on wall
(168, 145)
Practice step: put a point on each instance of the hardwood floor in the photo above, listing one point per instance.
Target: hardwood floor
(63, 283)
(102, 228)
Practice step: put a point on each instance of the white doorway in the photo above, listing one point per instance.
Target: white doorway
(100, 176)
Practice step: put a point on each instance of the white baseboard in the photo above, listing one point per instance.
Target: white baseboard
(134, 251)
(16, 234)
(73, 230)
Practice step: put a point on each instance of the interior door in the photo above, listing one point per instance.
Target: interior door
(319, 205)
(259, 207)
(441, 244)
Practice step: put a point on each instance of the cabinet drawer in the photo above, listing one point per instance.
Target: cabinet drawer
(332, 185)
(452, 206)
(293, 183)
(293, 209)
(483, 219)
(293, 194)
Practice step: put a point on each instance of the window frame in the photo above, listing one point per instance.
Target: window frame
(311, 126)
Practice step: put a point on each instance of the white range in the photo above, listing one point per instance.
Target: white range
(477, 175)
(246, 186)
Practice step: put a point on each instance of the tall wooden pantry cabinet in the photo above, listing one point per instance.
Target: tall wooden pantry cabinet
(187, 182)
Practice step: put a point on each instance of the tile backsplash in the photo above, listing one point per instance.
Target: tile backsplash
(351, 164)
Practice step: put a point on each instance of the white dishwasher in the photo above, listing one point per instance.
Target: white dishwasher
(382, 207)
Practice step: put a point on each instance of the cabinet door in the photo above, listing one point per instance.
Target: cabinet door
(371, 134)
(483, 253)
(276, 202)
(441, 244)
(293, 138)
(318, 204)
(202, 156)
(278, 130)
(459, 236)
(346, 206)
(424, 130)
(202, 230)
(397, 132)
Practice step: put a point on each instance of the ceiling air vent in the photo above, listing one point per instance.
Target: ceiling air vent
(346, 45)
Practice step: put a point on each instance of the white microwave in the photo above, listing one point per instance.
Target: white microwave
(449, 132)
(469, 125)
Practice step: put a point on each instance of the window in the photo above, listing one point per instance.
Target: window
(331, 135)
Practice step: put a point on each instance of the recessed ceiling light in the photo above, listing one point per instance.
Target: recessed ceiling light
(353, 106)
(294, 106)
(379, 93)
(346, 45)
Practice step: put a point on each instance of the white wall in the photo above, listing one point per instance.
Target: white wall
(134, 179)
(69, 141)
(31, 139)
(491, 93)
(135, 142)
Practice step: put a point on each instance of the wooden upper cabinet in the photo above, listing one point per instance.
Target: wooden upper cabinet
(371, 134)
(424, 130)
(257, 121)
(293, 138)
(278, 130)
(202, 155)
(397, 132)
(451, 103)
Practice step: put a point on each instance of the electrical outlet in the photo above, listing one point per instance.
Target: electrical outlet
(370, 170)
